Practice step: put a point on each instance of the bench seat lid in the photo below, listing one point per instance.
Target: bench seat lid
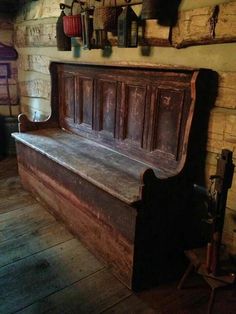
(111, 171)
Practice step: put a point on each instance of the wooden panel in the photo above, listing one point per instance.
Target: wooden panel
(134, 113)
(67, 98)
(168, 119)
(104, 241)
(85, 101)
(123, 98)
(106, 106)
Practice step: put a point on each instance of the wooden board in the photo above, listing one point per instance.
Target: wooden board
(193, 27)
(11, 203)
(37, 63)
(226, 24)
(80, 297)
(23, 220)
(222, 130)
(132, 304)
(44, 273)
(103, 240)
(36, 35)
(226, 90)
(34, 239)
(207, 25)
(37, 88)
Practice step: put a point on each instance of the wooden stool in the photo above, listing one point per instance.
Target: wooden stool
(197, 262)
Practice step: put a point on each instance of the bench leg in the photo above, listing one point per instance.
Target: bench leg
(211, 301)
(185, 275)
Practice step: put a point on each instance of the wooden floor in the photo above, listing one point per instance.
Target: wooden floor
(44, 269)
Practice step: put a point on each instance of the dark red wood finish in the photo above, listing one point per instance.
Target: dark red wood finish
(151, 116)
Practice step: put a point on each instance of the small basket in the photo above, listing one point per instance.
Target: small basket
(72, 23)
(105, 18)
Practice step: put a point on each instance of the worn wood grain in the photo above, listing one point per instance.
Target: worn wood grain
(131, 304)
(37, 63)
(226, 90)
(11, 203)
(31, 241)
(226, 24)
(193, 27)
(42, 34)
(221, 131)
(91, 294)
(9, 186)
(37, 88)
(126, 185)
(33, 278)
(80, 297)
(146, 115)
(102, 239)
(207, 25)
(39, 9)
(28, 219)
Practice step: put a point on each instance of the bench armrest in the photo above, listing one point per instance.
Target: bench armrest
(24, 124)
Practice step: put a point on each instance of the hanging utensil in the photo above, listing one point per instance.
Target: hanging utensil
(72, 23)
(128, 28)
(63, 42)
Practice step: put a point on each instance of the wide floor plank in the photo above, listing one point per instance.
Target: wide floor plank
(93, 294)
(18, 201)
(24, 220)
(39, 239)
(8, 167)
(44, 270)
(33, 278)
(133, 305)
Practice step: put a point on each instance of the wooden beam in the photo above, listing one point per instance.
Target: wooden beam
(36, 88)
(38, 35)
(226, 90)
(226, 25)
(193, 27)
(207, 25)
(35, 63)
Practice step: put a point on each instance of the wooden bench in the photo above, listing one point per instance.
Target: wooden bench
(113, 161)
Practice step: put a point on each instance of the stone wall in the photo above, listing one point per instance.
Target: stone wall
(211, 44)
